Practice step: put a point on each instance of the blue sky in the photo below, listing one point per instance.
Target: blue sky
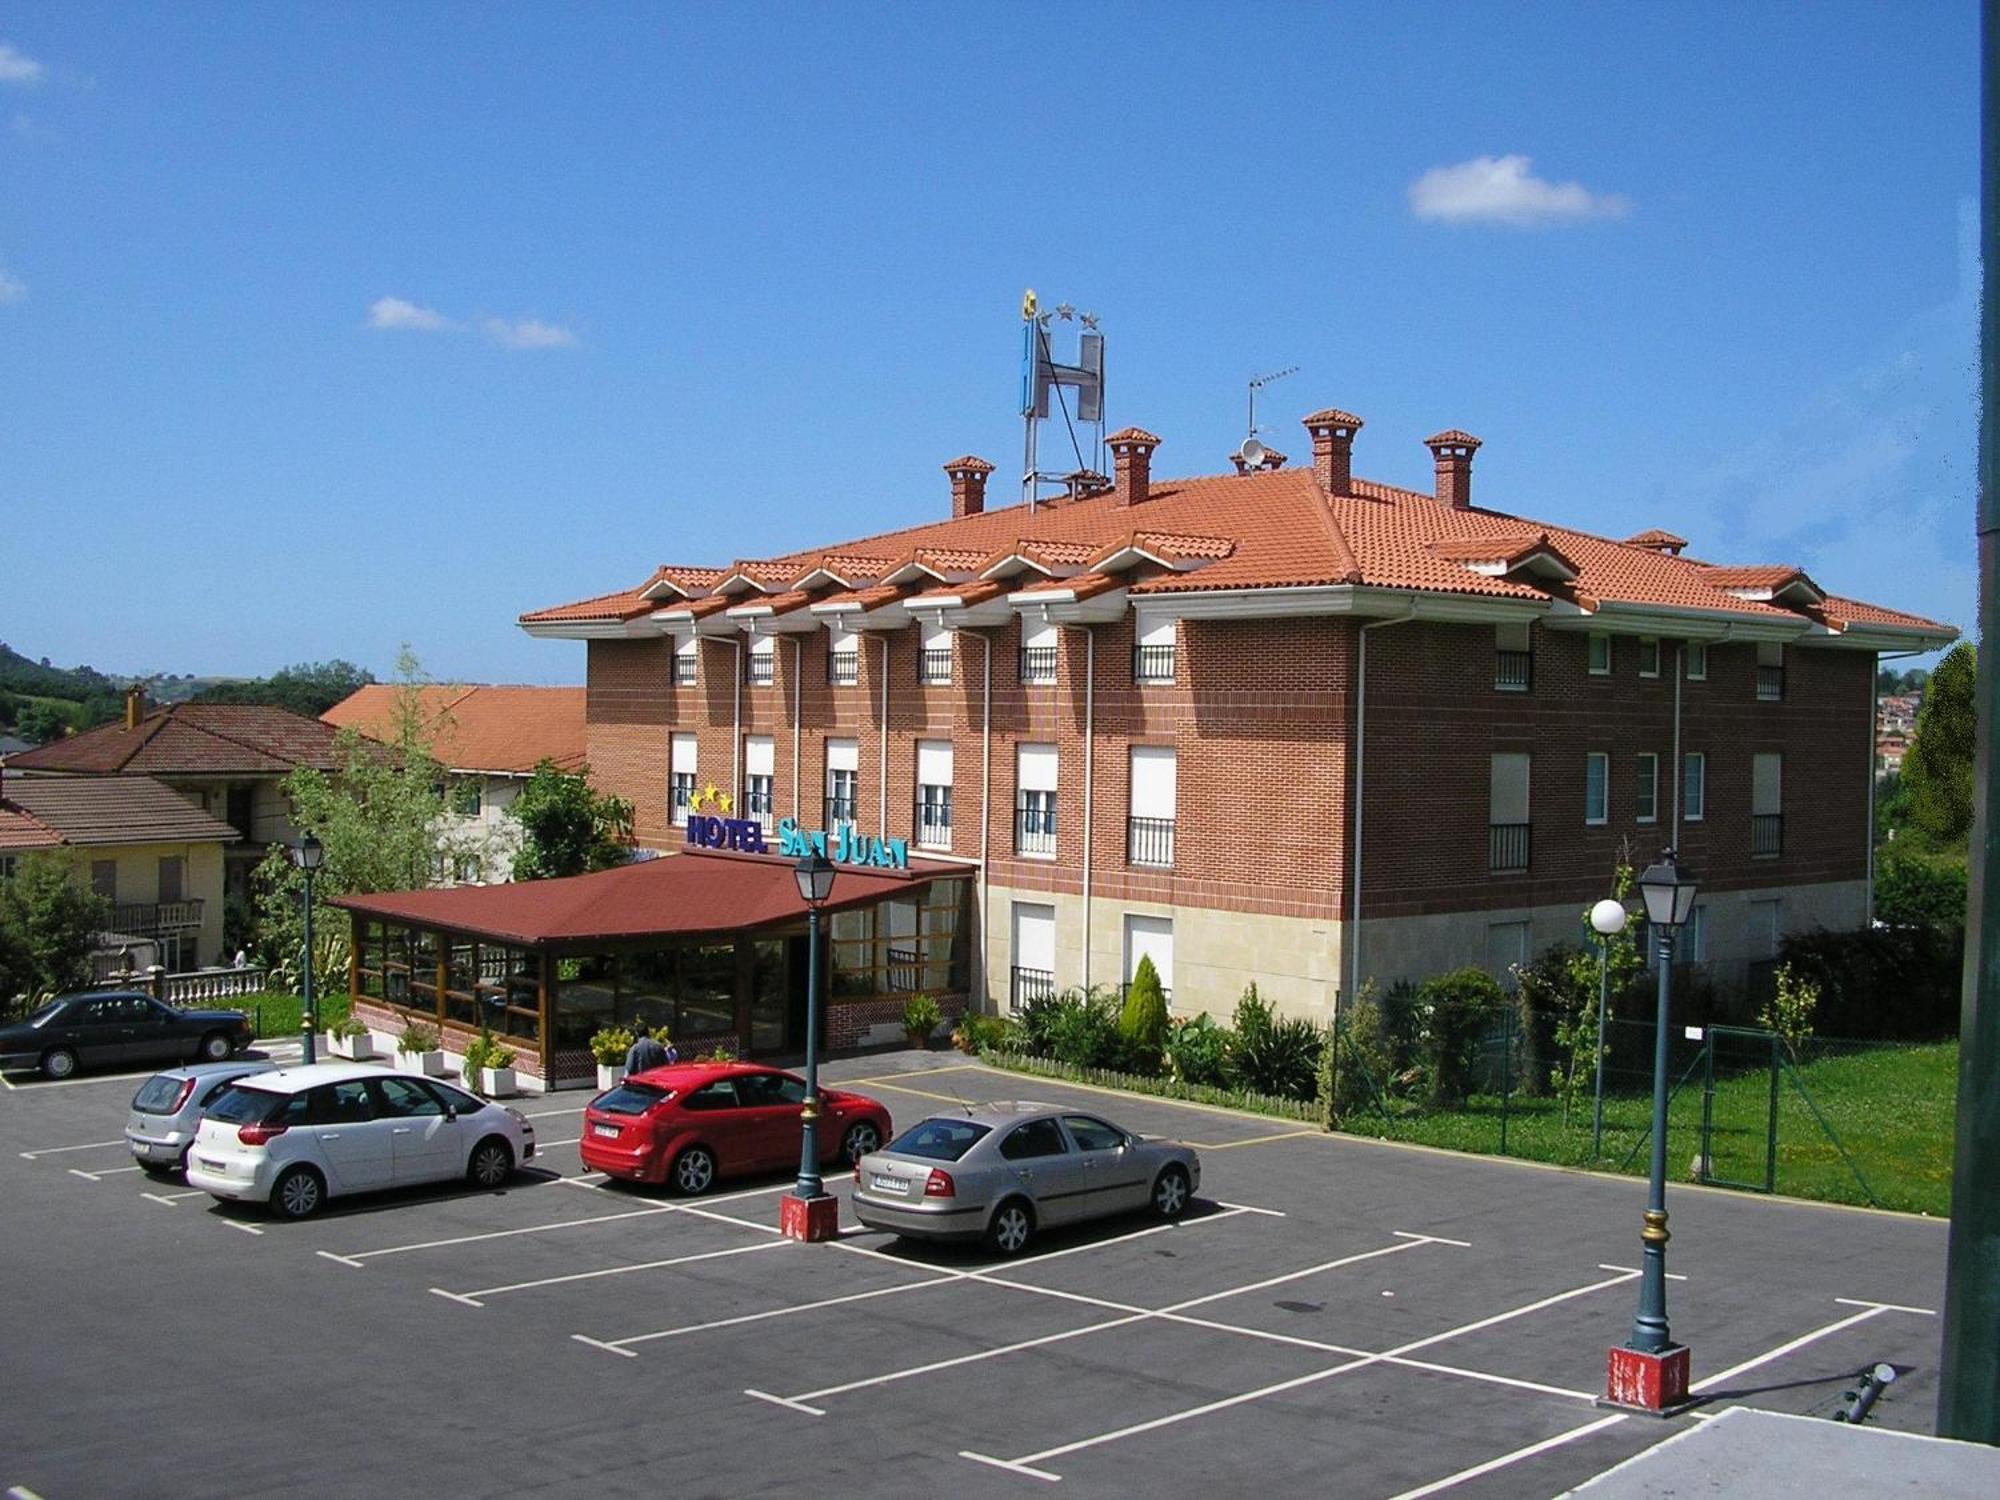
(328, 328)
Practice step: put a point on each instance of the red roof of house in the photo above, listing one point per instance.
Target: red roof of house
(682, 895)
(477, 726)
(192, 739)
(51, 812)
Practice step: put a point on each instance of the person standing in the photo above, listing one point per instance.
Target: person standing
(645, 1052)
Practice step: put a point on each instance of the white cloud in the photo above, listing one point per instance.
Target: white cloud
(528, 333)
(17, 67)
(12, 289)
(1502, 190)
(394, 312)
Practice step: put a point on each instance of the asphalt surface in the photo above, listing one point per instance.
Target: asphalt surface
(1336, 1315)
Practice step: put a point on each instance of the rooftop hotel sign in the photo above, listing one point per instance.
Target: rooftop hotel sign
(847, 845)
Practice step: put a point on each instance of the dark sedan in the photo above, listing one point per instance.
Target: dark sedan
(74, 1031)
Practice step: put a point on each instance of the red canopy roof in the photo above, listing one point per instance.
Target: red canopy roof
(694, 894)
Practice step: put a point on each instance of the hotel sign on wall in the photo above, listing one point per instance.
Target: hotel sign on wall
(710, 826)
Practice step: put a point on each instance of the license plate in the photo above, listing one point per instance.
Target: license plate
(896, 1185)
(605, 1130)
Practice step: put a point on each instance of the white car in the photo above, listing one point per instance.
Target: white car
(297, 1136)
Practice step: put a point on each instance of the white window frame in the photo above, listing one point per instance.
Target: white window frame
(759, 778)
(1595, 640)
(935, 771)
(687, 662)
(1694, 785)
(683, 773)
(1649, 646)
(1601, 761)
(1148, 934)
(1691, 943)
(1646, 787)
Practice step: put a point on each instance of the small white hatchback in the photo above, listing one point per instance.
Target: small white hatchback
(295, 1137)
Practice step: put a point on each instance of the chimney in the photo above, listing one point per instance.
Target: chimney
(1333, 449)
(135, 705)
(1132, 458)
(968, 485)
(1453, 451)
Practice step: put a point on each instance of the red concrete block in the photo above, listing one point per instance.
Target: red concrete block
(809, 1219)
(1648, 1382)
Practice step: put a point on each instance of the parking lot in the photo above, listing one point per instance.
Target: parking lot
(1375, 1319)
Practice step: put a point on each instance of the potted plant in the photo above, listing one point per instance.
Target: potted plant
(418, 1050)
(920, 1018)
(609, 1047)
(351, 1040)
(489, 1066)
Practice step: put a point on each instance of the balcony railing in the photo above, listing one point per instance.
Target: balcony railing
(1038, 664)
(932, 821)
(1166, 992)
(1030, 984)
(147, 918)
(1767, 835)
(1513, 671)
(1035, 830)
(1150, 841)
(934, 666)
(1508, 847)
(1152, 663)
(843, 668)
(837, 812)
(760, 669)
(1770, 684)
(684, 671)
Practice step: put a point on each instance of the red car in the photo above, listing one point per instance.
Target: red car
(690, 1123)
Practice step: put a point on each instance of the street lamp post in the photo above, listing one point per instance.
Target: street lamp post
(1607, 920)
(809, 1212)
(1650, 1372)
(308, 854)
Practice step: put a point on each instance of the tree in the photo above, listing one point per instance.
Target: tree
(50, 919)
(309, 688)
(567, 828)
(1937, 769)
(1143, 1023)
(42, 722)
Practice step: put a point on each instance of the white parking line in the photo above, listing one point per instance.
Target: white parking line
(1491, 1464)
(1634, 1271)
(622, 1346)
(473, 1298)
(101, 1173)
(1874, 1310)
(541, 1146)
(21, 1492)
(1922, 1312)
(86, 1146)
(550, 1114)
(170, 1199)
(246, 1228)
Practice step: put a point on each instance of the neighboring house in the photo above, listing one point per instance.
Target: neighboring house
(227, 759)
(490, 739)
(11, 744)
(157, 859)
(1284, 725)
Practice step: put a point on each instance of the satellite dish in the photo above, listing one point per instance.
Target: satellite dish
(1252, 453)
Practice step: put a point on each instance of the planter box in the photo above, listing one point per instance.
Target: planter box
(353, 1048)
(610, 1075)
(497, 1083)
(429, 1064)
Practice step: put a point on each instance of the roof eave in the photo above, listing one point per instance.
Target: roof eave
(1299, 600)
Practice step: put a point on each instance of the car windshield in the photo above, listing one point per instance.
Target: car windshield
(157, 1093)
(630, 1099)
(939, 1139)
(239, 1104)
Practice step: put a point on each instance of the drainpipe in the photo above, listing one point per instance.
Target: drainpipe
(1674, 783)
(798, 648)
(985, 798)
(1089, 780)
(736, 731)
(882, 799)
(1360, 750)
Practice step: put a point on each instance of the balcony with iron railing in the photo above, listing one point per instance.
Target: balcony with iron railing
(1507, 845)
(147, 918)
(1152, 664)
(684, 671)
(1770, 684)
(837, 813)
(760, 668)
(843, 668)
(932, 821)
(1030, 984)
(1035, 828)
(1767, 835)
(1513, 671)
(934, 666)
(1038, 664)
(1150, 841)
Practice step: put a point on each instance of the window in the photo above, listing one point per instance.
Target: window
(718, 1095)
(173, 876)
(686, 654)
(1770, 671)
(1649, 656)
(843, 764)
(1600, 655)
(1697, 661)
(1092, 1134)
(402, 1097)
(1033, 974)
(1694, 786)
(934, 659)
(1508, 814)
(683, 767)
(1149, 836)
(1596, 787)
(1513, 659)
(843, 658)
(1691, 945)
(1767, 812)
(1038, 653)
(758, 779)
(934, 769)
(1036, 1138)
(104, 878)
(1035, 800)
(898, 947)
(760, 662)
(1150, 937)
(1153, 656)
(467, 797)
(1646, 788)
(939, 1140)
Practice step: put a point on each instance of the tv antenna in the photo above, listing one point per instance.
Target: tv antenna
(1257, 383)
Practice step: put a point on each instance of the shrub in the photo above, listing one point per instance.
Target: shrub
(1920, 890)
(1084, 1030)
(1197, 1051)
(1790, 1012)
(719, 1053)
(1364, 1062)
(1884, 984)
(1278, 1056)
(1143, 1024)
(921, 1015)
(976, 1033)
(348, 1029)
(485, 1051)
(1455, 1011)
(610, 1044)
(1253, 1014)
(417, 1037)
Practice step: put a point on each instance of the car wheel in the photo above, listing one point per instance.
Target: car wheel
(58, 1062)
(861, 1139)
(491, 1163)
(1170, 1193)
(298, 1193)
(694, 1171)
(216, 1046)
(1013, 1225)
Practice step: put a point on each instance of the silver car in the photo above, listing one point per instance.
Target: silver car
(1001, 1172)
(168, 1108)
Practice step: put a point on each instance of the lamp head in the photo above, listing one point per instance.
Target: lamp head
(309, 854)
(1608, 917)
(815, 876)
(1669, 892)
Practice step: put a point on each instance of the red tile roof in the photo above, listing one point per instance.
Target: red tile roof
(48, 812)
(624, 604)
(477, 726)
(192, 739)
(681, 895)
